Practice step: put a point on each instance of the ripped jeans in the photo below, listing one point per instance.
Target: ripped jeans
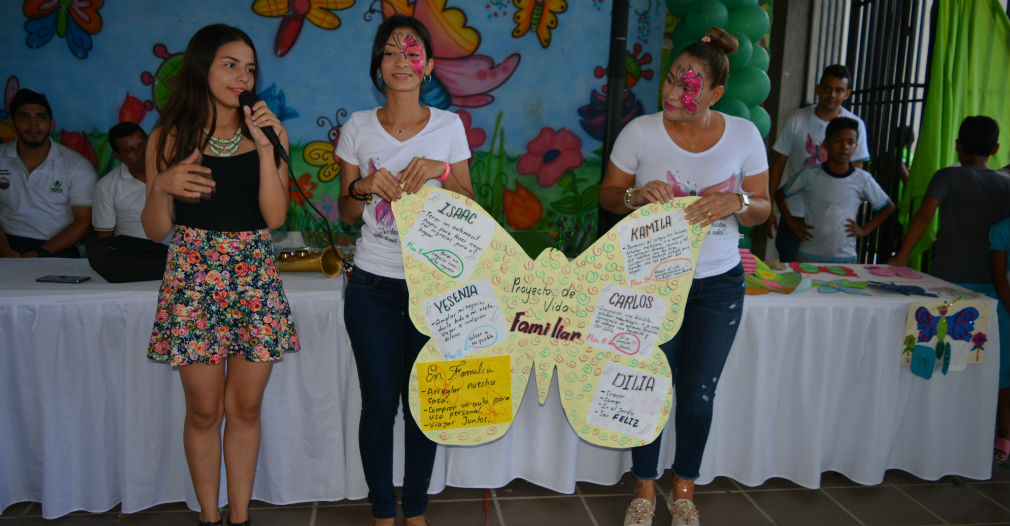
(696, 355)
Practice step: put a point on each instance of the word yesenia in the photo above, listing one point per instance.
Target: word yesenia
(457, 296)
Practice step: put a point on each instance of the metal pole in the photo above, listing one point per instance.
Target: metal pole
(616, 74)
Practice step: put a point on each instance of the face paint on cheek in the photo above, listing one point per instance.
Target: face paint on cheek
(691, 84)
(414, 53)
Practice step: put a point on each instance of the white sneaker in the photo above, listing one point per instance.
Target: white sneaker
(639, 513)
(684, 513)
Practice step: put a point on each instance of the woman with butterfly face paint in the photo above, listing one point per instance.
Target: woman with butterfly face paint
(689, 149)
(386, 152)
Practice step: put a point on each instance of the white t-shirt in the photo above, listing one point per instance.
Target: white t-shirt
(830, 200)
(119, 201)
(645, 149)
(800, 140)
(37, 205)
(366, 144)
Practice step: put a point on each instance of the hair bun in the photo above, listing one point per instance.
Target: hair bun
(722, 40)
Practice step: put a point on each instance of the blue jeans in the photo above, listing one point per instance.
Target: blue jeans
(696, 355)
(385, 345)
(786, 241)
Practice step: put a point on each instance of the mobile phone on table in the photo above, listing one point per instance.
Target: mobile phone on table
(53, 278)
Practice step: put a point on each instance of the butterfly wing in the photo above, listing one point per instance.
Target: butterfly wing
(926, 323)
(523, 17)
(461, 294)
(679, 190)
(728, 186)
(40, 30)
(628, 301)
(549, 20)
(468, 80)
(322, 155)
(961, 325)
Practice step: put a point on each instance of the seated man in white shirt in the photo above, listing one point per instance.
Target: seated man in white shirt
(122, 251)
(45, 188)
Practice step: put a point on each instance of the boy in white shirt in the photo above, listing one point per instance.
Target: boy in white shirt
(831, 194)
(799, 145)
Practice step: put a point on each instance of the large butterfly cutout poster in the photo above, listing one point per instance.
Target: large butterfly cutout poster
(495, 317)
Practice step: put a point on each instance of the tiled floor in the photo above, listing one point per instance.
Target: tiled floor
(900, 500)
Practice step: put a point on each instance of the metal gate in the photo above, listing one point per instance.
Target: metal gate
(885, 44)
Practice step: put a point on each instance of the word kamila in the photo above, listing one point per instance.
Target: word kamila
(559, 332)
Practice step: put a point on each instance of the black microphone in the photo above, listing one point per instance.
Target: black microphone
(248, 98)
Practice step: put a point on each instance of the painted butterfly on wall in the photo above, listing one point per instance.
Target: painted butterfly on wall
(75, 20)
(539, 16)
(598, 319)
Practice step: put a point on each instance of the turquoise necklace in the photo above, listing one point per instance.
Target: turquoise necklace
(223, 147)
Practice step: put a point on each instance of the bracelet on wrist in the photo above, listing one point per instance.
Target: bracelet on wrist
(365, 198)
(446, 174)
(627, 198)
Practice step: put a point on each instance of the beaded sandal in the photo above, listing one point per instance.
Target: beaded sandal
(639, 513)
(684, 513)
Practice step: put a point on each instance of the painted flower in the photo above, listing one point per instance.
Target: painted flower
(522, 208)
(134, 110)
(328, 206)
(475, 137)
(307, 185)
(978, 341)
(550, 155)
(79, 143)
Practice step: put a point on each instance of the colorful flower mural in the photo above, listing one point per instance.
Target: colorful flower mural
(467, 79)
(293, 15)
(305, 181)
(522, 208)
(550, 155)
(75, 20)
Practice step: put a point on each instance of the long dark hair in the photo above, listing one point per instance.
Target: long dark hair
(185, 114)
(382, 35)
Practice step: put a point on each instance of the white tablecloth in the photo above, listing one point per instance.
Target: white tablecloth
(813, 383)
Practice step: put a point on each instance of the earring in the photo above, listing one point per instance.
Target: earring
(426, 78)
(380, 75)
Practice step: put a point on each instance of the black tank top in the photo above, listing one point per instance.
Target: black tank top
(234, 205)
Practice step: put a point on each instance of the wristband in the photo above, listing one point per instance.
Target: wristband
(627, 198)
(366, 198)
(446, 174)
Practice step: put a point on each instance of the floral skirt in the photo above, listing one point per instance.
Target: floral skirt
(221, 296)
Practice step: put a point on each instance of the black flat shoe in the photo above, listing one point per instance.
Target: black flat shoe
(246, 523)
(218, 523)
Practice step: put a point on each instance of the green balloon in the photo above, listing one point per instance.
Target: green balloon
(705, 14)
(741, 57)
(761, 119)
(759, 58)
(678, 8)
(751, 85)
(732, 106)
(730, 4)
(750, 20)
(682, 35)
